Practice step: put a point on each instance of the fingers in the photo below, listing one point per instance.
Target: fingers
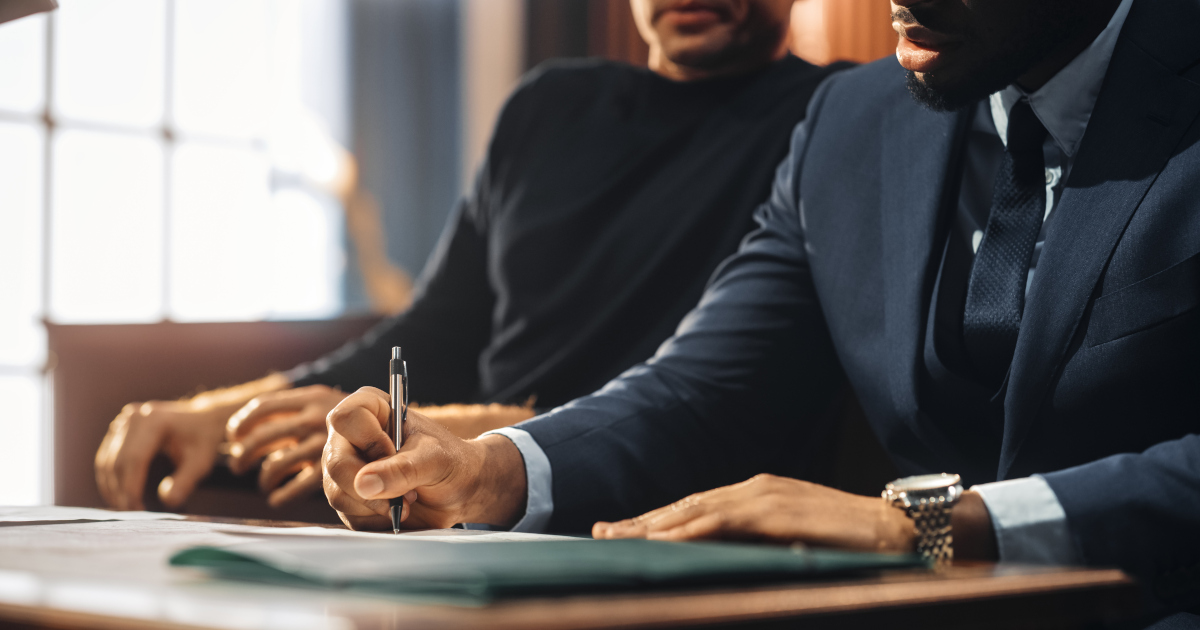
(421, 462)
(705, 526)
(373, 522)
(131, 461)
(261, 407)
(697, 516)
(106, 456)
(340, 464)
(195, 462)
(662, 519)
(288, 461)
(270, 436)
(361, 419)
(306, 482)
(362, 469)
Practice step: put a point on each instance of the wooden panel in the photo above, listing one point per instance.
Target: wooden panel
(851, 30)
(613, 34)
(582, 28)
(555, 28)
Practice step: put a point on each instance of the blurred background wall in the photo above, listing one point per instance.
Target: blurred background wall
(188, 165)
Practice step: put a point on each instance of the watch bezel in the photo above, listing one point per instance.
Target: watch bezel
(907, 492)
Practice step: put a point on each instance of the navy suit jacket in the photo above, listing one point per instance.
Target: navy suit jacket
(1103, 397)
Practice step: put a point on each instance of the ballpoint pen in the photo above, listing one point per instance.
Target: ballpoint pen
(398, 389)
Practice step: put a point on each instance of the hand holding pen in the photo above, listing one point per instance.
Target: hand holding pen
(433, 480)
(398, 392)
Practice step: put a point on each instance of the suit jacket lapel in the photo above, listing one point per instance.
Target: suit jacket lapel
(921, 155)
(1140, 117)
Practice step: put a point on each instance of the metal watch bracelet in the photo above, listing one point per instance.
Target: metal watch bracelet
(928, 500)
(931, 518)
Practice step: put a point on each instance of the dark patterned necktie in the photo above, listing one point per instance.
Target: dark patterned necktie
(996, 292)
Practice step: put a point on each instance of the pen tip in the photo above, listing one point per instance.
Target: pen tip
(395, 514)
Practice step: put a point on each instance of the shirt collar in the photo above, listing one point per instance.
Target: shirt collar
(1065, 103)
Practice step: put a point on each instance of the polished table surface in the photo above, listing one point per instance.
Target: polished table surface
(971, 595)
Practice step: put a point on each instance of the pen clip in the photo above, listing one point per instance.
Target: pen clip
(404, 386)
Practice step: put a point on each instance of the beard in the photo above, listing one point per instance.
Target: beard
(1002, 64)
(953, 97)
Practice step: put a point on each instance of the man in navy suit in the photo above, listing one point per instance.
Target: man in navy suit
(996, 240)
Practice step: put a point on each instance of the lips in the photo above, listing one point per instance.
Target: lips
(693, 13)
(921, 49)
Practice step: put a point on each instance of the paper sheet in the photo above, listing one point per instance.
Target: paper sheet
(120, 569)
(57, 513)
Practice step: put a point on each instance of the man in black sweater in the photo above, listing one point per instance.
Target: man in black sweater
(608, 196)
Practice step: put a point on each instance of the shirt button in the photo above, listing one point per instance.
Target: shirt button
(1052, 175)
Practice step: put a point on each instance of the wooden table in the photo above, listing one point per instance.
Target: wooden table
(971, 595)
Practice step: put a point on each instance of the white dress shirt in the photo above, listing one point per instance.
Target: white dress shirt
(1029, 521)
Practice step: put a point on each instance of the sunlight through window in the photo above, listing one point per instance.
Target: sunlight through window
(151, 167)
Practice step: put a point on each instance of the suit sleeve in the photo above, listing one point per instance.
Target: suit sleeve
(1140, 512)
(739, 386)
(443, 331)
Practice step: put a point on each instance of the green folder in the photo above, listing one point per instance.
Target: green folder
(479, 572)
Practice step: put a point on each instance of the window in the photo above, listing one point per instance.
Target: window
(161, 160)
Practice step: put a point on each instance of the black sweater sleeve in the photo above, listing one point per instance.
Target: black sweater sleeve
(449, 324)
(442, 333)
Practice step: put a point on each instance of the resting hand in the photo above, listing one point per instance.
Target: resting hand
(187, 432)
(286, 431)
(774, 509)
(444, 479)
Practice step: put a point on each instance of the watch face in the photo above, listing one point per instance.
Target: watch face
(925, 482)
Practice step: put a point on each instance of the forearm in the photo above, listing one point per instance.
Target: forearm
(471, 421)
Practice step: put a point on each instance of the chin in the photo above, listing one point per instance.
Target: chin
(941, 96)
(706, 50)
(954, 91)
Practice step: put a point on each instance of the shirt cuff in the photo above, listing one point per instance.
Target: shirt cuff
(1030, 524)
(539, 504)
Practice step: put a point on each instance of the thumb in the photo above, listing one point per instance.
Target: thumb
(422, 463)
(193, 467)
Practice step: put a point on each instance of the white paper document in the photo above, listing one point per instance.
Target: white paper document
(56, 513)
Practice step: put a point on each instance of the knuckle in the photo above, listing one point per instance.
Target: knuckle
(337, 499)
(339, 418)
(766, 482)
(374, 446)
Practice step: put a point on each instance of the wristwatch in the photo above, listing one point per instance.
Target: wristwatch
(928, 499)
